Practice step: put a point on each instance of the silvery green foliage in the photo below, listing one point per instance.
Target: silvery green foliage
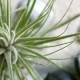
(20, 40)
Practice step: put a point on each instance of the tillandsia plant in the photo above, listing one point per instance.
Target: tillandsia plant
(19, 43)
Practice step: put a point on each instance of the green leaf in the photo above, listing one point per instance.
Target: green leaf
(46, 46)
(40, 25)
(17, 72)
(2, 51)
(27, 15)
(9, 65)
(54, 27)
(3, 6)
(25, 29)
(21, 16)
(40, 56)
(39, 41)
(9, 13)
(1, 64)
(30, 69)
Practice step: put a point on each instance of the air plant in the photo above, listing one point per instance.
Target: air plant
(20, 40)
